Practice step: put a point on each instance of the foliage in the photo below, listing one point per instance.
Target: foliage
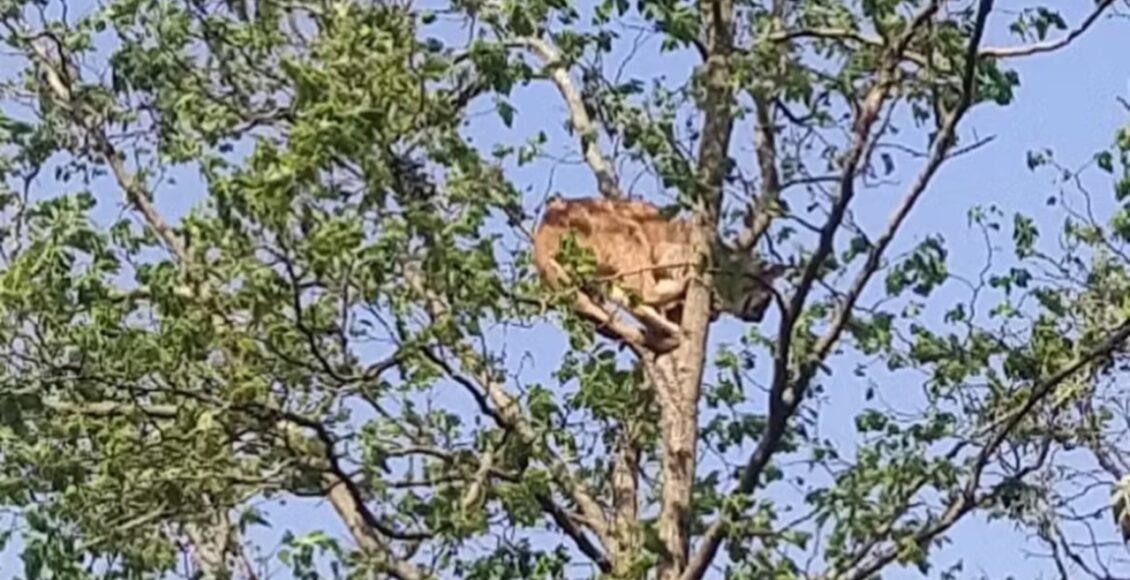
(317, 285)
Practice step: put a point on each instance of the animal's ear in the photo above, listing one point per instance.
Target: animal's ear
(555, 203)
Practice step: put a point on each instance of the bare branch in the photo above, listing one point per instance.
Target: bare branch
(1050, 45)
(578, 116)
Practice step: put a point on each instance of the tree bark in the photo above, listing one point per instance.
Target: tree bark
(625, 508)
(214, 549)
(679, 375)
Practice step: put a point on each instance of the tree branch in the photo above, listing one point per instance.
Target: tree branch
(785, 395)
(351, 512)
(564, 520)
(759, 213)
(1050, 45)
(578, 117)
(835, 33)
(61, 88)
(968, 500)
(505, 411)
(495, 402)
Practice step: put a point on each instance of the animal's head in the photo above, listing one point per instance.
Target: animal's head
(743, 285)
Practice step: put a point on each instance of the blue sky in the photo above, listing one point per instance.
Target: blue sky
(1066, 101)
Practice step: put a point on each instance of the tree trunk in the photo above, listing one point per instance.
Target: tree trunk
(212, 546)
(625, 509)
(679, 374)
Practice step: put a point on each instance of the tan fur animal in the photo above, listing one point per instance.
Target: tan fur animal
(742, 283)
(642, 251)
(615, 233)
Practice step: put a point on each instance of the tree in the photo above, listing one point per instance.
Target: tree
(318, 286)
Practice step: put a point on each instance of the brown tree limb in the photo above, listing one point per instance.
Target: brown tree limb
(351, 511)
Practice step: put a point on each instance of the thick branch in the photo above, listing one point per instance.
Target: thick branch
(351, 512)
(565, 521)
(765, 144)
(61, 88)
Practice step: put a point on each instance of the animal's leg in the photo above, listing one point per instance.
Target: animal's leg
(667, 291)
(609, 327)
(646, 313)
(672, 273)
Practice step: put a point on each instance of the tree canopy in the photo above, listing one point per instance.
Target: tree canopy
(267, 306)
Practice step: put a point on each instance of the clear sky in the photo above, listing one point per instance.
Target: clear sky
(1066, 101)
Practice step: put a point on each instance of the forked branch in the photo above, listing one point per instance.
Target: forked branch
(788, 388)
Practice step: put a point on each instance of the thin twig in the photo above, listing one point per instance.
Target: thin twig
(1050, 45)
